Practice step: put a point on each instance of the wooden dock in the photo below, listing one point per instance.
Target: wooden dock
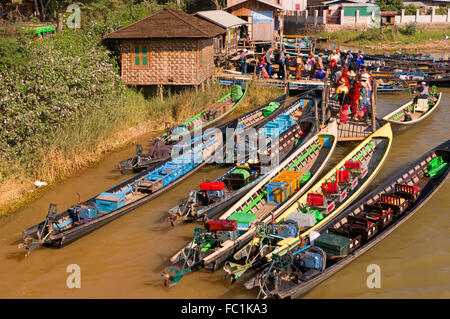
(226, 78)
(352, 130)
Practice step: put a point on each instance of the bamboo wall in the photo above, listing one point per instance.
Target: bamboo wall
(171, 62)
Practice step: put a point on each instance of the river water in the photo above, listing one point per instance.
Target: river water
(124, 259)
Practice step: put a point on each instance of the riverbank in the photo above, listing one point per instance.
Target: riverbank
(84, 143)
(407, 39)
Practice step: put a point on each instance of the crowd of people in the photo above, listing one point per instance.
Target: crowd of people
(346, 70)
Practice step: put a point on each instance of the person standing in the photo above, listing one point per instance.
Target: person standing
(354, 96)
(243, 61)
(311, 65)
(269, 61)
(299, 69)
(359, 60)
(282, 64)
(333, 60)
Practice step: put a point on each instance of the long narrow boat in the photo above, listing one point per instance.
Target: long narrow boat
(323, 202)
(223, 237)
(211, 115)
(58, 230)
(206, 118)
(216, 196)
(419, 111)
(358, 229)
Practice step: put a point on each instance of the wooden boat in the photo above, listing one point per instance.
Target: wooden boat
(211, 115)
(161, 150)
(207, 202)
(439, 81)
(323, 202)
(390, 88)
(419, 111)
(209, 251)
(58, 230)
(357, 229)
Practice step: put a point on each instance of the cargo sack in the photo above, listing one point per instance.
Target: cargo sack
(236, 93)
(436, 167)
(269, 109)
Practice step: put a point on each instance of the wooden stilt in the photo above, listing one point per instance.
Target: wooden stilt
(316, 112)
(161, 91)
(374, 106)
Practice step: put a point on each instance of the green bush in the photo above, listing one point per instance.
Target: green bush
(409, 29)
(442, 11)
(410, 9)
(63, 77)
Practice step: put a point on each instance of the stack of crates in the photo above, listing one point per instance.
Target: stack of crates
(325, 140)
(282, 186)
(281, 124)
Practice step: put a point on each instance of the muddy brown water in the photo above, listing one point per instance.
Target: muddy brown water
(124, 259)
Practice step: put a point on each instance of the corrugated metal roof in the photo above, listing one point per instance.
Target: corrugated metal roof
(168, 23)
(261, 1)
(221, 18)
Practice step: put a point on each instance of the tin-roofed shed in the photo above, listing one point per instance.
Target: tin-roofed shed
(233, 25)
(169, 47)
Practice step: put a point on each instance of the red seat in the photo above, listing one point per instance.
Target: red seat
(330, 188)
(343, 176)
(315, 199)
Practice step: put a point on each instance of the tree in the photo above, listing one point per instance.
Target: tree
(390, 5)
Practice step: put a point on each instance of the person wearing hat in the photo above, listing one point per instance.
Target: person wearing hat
(299, 69)
(366, 89)
(423, 90)
(312, 65)
(243, 61)
(351, 77)
(333, 60)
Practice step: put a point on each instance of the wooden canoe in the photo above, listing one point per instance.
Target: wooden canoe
(225, 106)
(397, 116)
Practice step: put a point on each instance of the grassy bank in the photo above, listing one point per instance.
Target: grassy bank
(86, 142)
(403, 38)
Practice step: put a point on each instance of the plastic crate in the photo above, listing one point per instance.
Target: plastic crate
(243, 219)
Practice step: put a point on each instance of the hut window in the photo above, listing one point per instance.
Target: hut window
(141, 58)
